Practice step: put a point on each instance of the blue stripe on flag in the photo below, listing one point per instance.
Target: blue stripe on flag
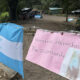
(13, 64)
(12, 32)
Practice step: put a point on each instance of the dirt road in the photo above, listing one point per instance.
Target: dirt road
(57, 18)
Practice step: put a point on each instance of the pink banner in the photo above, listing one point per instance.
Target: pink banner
(59, 53)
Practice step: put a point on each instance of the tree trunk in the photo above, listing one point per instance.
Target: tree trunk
(67, 16)
(13, 9)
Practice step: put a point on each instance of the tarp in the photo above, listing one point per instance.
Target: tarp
(58, 52)
(38, 16)
(11, 46)
(54, 8)
(70, 19)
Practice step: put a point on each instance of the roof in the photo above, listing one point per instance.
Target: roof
(25, 9)
(77, 11)
(55, 8)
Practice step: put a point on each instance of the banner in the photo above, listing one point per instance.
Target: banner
(11, 46)
(57, 52)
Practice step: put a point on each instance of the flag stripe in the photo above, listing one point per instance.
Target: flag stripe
(11, 63)
(11, 49)
(12, 32)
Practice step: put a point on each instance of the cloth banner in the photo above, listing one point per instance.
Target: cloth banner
(57, 52)
(11, 46)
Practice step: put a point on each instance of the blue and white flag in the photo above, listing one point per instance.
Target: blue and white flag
(11, 46)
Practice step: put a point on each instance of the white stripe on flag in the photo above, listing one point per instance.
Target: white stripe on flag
(11, 49)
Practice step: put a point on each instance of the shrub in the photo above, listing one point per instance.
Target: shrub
(4, 17)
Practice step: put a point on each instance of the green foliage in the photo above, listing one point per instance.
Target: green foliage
(21, 4)
(46, 4)
(3, 5)
(70, 4)
(67, 5)
(10, 6)
(4, 16)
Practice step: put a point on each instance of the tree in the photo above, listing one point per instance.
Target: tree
(14, 6)
(31, 3)
(69, 5)
(65, 4)
(11, 6)
(47, 3)
(3, 5)
(75, 4)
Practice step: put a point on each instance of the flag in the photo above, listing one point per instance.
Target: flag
(56, 51)
(11, 46)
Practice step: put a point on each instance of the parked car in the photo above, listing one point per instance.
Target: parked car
(76, 12)
(28, 13)
(24, 13)
(32, 14)
(38, 15)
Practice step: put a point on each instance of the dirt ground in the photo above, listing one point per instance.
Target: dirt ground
(3, 75)
(58, 18)
(33, 71)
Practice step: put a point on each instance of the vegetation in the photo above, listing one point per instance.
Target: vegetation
(14, 6)
(4, 16)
